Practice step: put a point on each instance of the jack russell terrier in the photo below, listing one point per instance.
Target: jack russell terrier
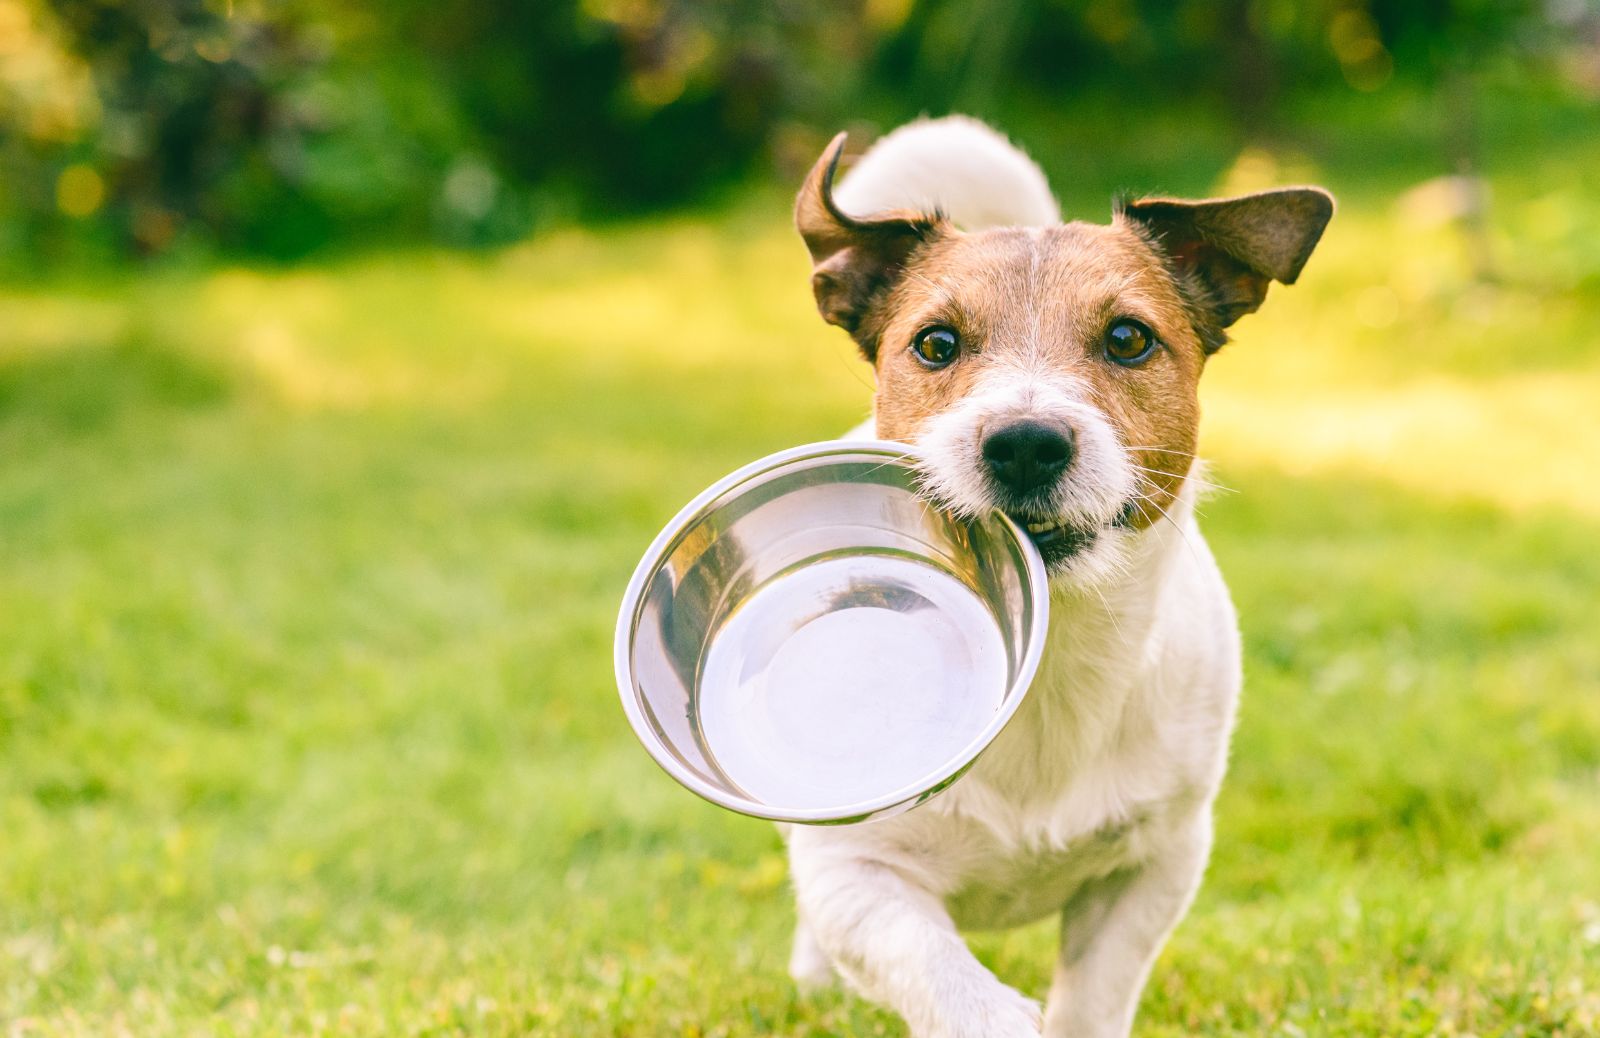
(1048, 369)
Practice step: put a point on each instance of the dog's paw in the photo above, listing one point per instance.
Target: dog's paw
(999, 1012)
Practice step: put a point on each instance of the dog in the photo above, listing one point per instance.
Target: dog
(1050, 370)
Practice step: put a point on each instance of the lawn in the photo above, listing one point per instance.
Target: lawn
(308, 576)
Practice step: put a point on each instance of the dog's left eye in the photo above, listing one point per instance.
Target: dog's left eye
(1129, 342)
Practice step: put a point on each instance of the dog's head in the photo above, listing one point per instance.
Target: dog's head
(1052, 372)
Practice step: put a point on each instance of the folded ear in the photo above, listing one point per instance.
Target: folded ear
(1225, 251)
(854, 260)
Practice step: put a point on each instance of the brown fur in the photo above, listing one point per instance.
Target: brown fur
(1046, 296)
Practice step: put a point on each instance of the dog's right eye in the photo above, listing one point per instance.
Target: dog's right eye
(936, 347)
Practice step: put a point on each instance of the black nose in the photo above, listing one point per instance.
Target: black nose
(1025, 457)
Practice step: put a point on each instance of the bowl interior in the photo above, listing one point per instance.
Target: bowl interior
(812, 641)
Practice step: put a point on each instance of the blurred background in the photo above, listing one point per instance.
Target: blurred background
(350, 355)
(278, 129)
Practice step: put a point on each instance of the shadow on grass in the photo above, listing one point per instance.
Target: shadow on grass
(84, 390)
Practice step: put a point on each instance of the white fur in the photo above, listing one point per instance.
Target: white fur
(1093, 803)
(956, 165)
(1017, 388)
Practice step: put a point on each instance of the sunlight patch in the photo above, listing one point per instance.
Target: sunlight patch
(1518, 442)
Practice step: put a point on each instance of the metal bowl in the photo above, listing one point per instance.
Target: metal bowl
(811, 641)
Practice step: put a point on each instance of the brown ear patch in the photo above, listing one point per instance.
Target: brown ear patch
(855, 260)
(1225, 251)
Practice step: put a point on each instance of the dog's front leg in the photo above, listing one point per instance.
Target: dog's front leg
(894, 943)
(1111, 931)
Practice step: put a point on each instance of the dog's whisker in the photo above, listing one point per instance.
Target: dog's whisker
(1187, 479)
(1193, 551)
(882, 466)
(855, 372)
(1111, 614)
(1129, 448)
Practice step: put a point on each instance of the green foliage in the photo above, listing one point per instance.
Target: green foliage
(274, 128)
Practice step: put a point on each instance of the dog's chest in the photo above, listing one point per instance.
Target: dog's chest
(1006, 890)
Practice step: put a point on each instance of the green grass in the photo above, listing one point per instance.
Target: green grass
(307, 581)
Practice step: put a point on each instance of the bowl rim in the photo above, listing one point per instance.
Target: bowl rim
(650, 562)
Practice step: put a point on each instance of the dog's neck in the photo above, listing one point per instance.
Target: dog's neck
(1084, 699)
(1112, 615)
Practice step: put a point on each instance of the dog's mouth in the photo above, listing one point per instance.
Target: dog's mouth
(1059, 540)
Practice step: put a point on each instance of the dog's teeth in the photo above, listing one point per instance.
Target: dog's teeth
(1040, 527)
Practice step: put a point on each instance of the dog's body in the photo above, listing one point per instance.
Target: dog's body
(1095, 802)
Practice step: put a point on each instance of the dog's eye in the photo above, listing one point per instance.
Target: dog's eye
(937, 346)
(1129, 342)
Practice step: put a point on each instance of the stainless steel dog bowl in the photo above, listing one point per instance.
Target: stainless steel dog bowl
(810, 641)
